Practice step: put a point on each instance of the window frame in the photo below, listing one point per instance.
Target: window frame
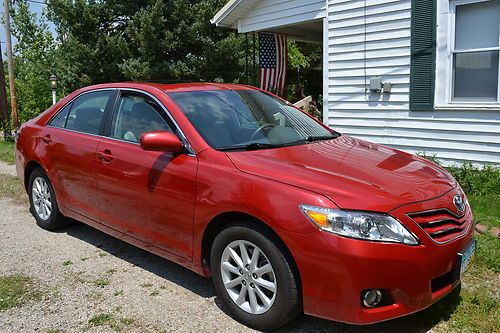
(165, 114)
(105, 129)
(117, 108)
(451, 58)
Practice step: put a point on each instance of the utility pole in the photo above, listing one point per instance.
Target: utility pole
(4, 116)
(10, 60)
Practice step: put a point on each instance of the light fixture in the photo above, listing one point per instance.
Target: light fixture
(53, 82)
(53, 86)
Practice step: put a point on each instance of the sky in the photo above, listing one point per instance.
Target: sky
(34, 7)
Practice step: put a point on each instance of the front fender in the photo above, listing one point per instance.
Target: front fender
(223, 188)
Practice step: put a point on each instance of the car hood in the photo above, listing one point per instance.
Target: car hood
(353, 173)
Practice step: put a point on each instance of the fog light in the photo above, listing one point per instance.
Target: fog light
(372, 298)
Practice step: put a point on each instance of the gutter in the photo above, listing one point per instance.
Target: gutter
(221, 15)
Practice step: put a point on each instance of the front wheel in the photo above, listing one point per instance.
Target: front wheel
(43, 204)
(254, 278)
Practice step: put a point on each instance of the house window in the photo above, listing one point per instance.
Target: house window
(476, 52)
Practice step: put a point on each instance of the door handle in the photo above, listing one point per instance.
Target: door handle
(105, 155)
(47, 139)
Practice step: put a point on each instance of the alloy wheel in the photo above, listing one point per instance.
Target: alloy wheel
(248, 277)
(42, 200)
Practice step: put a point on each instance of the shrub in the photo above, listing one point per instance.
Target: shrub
(476, 181)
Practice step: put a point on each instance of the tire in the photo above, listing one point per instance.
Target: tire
(254, 312)
(43, 203)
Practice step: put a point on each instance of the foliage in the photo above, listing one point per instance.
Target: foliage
(6, 151)
(109, 41)
(473, 180)
(151, 40)
(33, 60)
(305, 74)
(102, 41)
(484, 181)
(296, 59)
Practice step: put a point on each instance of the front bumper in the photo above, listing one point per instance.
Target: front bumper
(335, 270)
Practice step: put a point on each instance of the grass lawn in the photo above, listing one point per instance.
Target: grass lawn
(7, 151)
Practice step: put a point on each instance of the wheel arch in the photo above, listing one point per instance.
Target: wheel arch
(30, 167)
(221, 221)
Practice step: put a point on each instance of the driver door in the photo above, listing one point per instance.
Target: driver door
(148, 195)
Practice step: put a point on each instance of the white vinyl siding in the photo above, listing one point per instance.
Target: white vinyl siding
(454, 135)
(269, 14)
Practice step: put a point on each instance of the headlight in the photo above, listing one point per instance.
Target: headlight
(360, 225)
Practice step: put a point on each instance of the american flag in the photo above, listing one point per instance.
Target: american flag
(273, 62)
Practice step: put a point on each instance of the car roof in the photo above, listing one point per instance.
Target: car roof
(176, 87)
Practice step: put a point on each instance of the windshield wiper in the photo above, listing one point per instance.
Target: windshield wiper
(250, 146)
(321, 137)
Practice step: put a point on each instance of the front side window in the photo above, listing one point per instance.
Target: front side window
(233, 119)
(476, 52)
(87, 112)
(136, 114)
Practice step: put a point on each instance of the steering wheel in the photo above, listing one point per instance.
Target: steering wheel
(260, 129)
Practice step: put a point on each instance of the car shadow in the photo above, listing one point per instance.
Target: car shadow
(419, 322)
(159, 266)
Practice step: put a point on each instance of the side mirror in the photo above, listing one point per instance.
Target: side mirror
(161, 141)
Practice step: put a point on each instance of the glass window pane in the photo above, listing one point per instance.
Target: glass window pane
(476, 76)
(226, 118)
(477, 25)
(136, 115)
(87, 112)
(60, 119)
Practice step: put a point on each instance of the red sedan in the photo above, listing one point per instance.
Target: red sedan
(284, 213)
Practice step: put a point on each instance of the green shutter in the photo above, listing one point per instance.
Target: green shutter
(423, 54)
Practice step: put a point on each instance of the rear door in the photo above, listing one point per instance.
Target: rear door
(148, 195)
(70, 140)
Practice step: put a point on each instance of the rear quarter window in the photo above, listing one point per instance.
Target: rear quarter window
(60, 119)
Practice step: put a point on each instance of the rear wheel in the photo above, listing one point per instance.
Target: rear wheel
(43, 203)
(254, 278)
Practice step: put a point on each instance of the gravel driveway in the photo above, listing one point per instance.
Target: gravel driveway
(91, 282)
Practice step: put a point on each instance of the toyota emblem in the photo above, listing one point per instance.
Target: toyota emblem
(459, 203)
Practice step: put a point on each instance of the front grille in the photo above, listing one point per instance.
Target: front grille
(442, 225)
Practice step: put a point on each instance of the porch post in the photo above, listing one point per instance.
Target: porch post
(325, 67)
(254, 68)
(246, 59)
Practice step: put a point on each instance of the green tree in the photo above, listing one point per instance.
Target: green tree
(33, 57)
(305, 71)
(102, 41)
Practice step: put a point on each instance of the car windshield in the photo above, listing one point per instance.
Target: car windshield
(248, 119)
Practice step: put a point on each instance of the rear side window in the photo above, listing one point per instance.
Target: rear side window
(60, 119)
(84, 114)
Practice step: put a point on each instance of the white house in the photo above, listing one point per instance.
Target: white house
(441, 58)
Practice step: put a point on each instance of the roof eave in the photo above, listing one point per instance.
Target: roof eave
(222, 14)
